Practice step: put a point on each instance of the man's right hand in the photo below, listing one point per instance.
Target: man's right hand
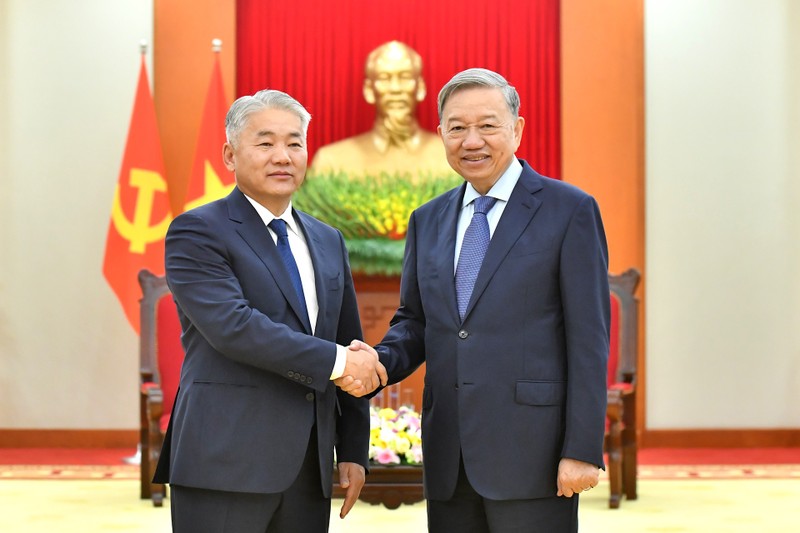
(363, 371)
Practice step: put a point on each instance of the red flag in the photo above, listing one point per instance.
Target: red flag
(210, 179)
(140, 213)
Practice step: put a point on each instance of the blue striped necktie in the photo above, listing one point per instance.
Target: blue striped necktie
(473, 248)
(279, 227)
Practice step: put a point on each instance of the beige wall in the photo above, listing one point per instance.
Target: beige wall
(68, 359)
(602, 128)
(723, 233)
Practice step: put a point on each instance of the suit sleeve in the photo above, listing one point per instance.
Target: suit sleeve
(201, 276)
(352, 426)
(402, 350)
(585, 297)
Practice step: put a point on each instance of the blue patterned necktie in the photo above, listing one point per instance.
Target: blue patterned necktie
(473, 248)
(279, 227)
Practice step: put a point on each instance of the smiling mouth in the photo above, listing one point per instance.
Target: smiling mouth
(475, 159)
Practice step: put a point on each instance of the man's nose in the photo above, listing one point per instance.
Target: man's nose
(281, 155)
(473, 139)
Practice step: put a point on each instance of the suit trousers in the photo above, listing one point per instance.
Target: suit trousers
(469, 512)
(302, 508)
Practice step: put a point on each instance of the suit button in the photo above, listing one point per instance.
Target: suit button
(302, 378)
(310, 396)
(463, 334)
(290, 374)
(308, 380)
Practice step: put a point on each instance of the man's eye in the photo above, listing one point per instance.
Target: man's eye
(488, 127)
(456, 129)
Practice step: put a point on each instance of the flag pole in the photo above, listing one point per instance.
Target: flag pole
(210, 179)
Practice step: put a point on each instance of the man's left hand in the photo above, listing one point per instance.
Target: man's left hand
(576, 476)
(351, 477)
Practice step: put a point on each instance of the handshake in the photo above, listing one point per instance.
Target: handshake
(363, 371)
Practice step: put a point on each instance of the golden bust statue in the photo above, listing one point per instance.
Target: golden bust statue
(396, 144)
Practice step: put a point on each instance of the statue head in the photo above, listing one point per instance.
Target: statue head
(393, 82)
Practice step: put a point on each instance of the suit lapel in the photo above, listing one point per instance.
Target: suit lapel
(255, 234)
(319, 259)
(446, 246)
(517, 216)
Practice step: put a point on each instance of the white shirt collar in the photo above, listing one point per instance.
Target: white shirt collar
(501, 189)
(267, 216)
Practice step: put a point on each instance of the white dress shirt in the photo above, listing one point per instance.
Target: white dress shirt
(302, 256)
(501, 190)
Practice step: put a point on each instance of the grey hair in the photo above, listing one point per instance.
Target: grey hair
(242, 108)
(480, 77)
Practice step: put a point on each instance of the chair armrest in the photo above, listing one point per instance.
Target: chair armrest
(622, 388)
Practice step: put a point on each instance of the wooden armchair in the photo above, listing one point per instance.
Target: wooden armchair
(621, 431)
(160, 359)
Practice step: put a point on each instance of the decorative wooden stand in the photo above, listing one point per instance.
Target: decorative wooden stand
(389, 485)
(378, 298)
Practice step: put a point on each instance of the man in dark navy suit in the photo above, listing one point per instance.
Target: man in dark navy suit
(267, 307)
(504, 295)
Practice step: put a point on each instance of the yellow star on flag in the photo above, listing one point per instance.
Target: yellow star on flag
(213, 188)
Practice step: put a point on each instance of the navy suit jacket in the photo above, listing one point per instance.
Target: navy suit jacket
(521, 381)
(255, 380)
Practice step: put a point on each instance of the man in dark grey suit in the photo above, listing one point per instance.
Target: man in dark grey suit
(504, 295)
(267, 307)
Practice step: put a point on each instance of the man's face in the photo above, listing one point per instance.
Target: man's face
(394, 82)
(270, 157)
(480, 135)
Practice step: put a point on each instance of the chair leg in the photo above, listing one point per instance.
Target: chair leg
(614, 467)
(155, 441)
(614, 450)
(630, 448)
(629, 464)
(159, 491)
(144, 452)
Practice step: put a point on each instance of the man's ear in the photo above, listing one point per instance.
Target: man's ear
(369, 92)
(227, 157)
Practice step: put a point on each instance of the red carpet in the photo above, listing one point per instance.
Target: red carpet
(66, 463)
(654, 463)
(718, 456)
(64, 456)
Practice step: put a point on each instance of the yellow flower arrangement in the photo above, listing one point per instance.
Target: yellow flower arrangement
(371, 212)
(395, 436)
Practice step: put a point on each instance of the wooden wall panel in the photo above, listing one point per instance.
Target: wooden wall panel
(602, 121)
(378, 299)
(182, 63)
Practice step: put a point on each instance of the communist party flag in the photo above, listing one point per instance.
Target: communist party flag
(140, 213)
(210, 180)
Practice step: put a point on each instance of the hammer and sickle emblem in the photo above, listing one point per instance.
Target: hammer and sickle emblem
(138, 232)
